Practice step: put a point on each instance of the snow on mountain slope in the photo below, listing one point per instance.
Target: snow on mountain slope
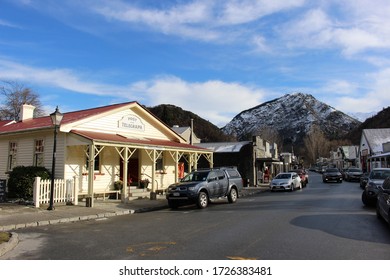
(292, 115)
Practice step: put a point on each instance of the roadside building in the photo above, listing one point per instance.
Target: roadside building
(253, 159)
(344, 157)
(374, 150)
(187, 133)
(99, 147)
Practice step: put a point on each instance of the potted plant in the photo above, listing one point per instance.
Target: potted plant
(144, 183)
(118, 185)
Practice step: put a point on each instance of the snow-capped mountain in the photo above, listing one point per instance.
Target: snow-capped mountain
(292, 115)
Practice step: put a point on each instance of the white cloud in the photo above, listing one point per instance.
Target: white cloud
(204, 20)
(61, 78)
(361, 26)
(8, 24)
(235, 12)
(339, 87)
(374, 99)
(214, 100)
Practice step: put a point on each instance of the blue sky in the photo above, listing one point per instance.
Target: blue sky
(212, 57)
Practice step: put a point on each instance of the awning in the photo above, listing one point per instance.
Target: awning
(122, 140)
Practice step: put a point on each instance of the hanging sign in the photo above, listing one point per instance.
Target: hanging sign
(131, 122)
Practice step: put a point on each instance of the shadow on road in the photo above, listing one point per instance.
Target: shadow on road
(344, 225)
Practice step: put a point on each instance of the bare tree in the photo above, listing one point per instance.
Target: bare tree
(13, 96)
(270, 134)
(316, 144)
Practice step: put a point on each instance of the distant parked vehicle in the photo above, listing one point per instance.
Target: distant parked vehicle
(375, 181)
(286, 181)
(303, 175)
(383, 201)
(353, 174)
(332, 174)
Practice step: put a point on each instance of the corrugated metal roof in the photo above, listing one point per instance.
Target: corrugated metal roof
(120, 139)
(45, 122)
(180, 129)
(225, 147)
(376, 137)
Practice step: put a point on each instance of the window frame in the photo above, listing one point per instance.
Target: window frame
(39, 152)
(12, 154)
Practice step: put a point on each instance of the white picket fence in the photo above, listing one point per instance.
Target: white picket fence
(64, 191)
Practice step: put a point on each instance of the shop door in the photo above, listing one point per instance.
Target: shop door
(132, 171)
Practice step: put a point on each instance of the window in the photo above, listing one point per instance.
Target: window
(96, 163)
(160, 163)
(38, 154)
(13, 148)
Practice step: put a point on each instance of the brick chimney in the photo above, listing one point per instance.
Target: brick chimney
(27, 112)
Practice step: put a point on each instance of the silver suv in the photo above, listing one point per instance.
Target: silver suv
(374, 183)
(202, 185)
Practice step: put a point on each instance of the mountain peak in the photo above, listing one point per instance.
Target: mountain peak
(292, 115)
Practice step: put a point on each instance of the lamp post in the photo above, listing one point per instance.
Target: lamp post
(56, 119)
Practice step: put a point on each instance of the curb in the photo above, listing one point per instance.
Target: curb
(8, 246)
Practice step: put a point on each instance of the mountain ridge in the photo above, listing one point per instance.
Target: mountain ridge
(292, 115)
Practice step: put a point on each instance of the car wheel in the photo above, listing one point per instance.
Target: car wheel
(366, 200)
(203, 200)
(173, 204)
(232, 197)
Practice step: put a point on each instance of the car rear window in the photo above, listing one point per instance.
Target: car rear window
(332, 170)
(354, 170)
(232, 173)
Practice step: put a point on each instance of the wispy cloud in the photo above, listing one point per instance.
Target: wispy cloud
(215, 100)
(198, 97)
(364, 25)
(9, 24)
(60, 78)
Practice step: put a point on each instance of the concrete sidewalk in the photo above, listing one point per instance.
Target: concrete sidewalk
(16, 216)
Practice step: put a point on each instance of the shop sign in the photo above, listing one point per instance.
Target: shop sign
(131, 122)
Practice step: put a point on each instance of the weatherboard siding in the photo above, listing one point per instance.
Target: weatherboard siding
(112, 124)
(26, 151)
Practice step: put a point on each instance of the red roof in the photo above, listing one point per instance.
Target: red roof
(115, 138)
(45, 122)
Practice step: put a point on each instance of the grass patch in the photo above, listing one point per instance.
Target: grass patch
(4, 237)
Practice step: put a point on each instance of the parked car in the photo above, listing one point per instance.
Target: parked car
(303, 175)
(332, 174)
(383, 201)
(353, 174)
(286, 181)
(364, 179)
(202, 185)
(375, 181)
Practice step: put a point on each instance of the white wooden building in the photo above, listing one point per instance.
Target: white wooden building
(373, 150)
(94, 144)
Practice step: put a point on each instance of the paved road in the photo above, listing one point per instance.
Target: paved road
(319, 222)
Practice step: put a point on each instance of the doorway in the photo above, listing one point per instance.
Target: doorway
(132, 171)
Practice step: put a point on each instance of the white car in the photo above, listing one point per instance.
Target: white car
(286, 181)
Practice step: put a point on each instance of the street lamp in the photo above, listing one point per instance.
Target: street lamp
(56, 119)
